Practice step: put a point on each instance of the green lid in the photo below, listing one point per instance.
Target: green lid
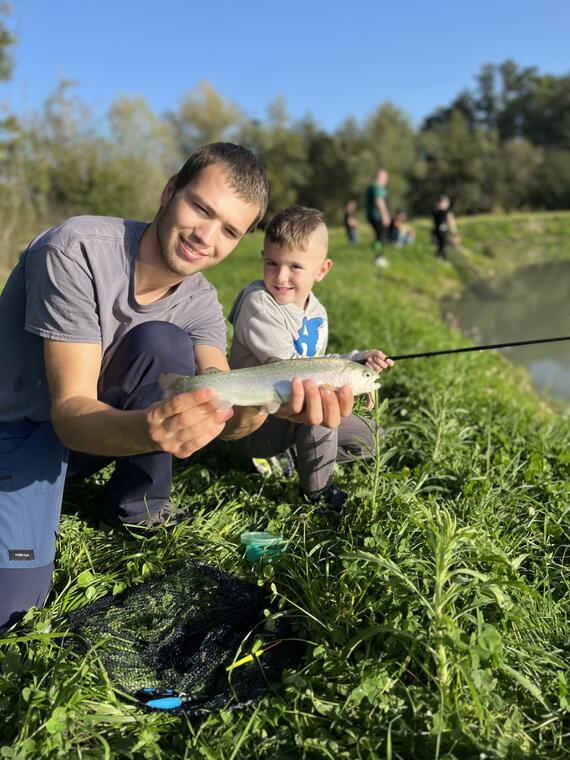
(260, 539)
(260, 545)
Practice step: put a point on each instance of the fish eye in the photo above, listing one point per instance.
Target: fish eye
(368, 374)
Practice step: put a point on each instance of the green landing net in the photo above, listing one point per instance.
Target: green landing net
(183, 642)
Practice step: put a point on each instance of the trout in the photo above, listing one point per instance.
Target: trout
(269, 385)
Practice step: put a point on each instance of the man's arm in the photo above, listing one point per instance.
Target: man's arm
(452, 224)
(180, 425)
(384, 213)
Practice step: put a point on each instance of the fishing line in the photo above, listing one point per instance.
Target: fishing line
(477, 348)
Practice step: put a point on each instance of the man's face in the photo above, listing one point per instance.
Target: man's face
(289, 275)
(200, 224)
(382, 178)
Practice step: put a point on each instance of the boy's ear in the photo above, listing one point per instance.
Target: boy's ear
(325, 269)
(168, 191)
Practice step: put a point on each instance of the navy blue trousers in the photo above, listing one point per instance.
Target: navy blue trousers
(33, 465)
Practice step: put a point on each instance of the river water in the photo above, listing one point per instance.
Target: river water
(527, 304)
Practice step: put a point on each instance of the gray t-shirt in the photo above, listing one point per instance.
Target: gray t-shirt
(75, 283)
(265, 330)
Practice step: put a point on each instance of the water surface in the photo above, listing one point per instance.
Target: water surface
(527, 304)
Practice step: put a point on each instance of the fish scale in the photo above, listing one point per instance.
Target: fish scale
(269, 385)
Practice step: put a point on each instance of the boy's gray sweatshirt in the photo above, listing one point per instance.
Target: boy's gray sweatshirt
(265, 330)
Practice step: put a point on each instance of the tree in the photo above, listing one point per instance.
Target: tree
(7, 39)
(283, 150)
(552, 181)
(143, 155)
(520, 123)
(519, 167)
(329, 179)
(72, 169)
(11, 197)
(204, 117)
(460, 162)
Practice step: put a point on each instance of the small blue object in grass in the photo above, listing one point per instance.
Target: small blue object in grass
(165, 703)
(266, 546)
(166, 699)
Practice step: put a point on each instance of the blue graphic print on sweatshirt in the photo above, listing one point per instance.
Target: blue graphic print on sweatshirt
(308, 336)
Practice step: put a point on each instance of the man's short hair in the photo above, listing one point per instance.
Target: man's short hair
(245, 172)
(293, 226)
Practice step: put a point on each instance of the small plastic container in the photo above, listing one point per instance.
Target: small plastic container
(262, 546)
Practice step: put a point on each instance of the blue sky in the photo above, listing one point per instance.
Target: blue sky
(331, 59)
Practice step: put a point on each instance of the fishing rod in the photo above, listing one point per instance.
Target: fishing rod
(477, 348)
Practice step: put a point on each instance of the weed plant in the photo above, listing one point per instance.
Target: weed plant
(436, 611)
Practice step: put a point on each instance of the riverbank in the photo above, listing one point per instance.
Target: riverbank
(436, 610)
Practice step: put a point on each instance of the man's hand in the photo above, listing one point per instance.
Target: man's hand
(377, 360)
(312, 405)
(185, 423)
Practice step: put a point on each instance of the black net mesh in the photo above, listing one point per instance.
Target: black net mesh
(179, 632)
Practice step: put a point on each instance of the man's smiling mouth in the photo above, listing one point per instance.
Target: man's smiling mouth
(189, 251)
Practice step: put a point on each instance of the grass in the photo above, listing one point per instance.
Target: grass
(437, 611)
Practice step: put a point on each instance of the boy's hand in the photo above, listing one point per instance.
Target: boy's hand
(377, 360)
(312, 405)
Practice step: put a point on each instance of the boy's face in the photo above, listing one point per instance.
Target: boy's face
(200, 224)
(289, 274)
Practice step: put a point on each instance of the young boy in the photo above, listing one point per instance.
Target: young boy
(279, 317)
(444, 224)
(351, 222)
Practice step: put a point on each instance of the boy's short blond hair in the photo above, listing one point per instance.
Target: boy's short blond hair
(294, 226)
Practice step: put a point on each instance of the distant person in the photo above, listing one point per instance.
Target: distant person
(399, 232)
(351, 222)
(377, 213)
(444, 227)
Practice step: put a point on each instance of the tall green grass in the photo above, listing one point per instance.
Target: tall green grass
(436, 610)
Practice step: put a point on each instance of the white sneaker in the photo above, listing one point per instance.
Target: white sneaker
(382, 261)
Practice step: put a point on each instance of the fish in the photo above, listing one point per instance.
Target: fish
(269, 385)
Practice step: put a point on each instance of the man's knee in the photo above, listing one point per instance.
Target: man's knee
(154, 332)
(145, 352)
(162, 340)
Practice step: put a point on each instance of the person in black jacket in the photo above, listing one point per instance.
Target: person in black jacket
(444, 227)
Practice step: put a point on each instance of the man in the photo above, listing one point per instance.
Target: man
(93, 313)
(377, 213)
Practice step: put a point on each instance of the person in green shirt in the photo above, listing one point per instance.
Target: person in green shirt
(377, 213)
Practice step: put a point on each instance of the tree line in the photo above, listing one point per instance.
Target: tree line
(503, 145)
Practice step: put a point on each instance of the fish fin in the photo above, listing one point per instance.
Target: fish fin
(221, 404)
(211, 371)
(167, 382)
(272, 406)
